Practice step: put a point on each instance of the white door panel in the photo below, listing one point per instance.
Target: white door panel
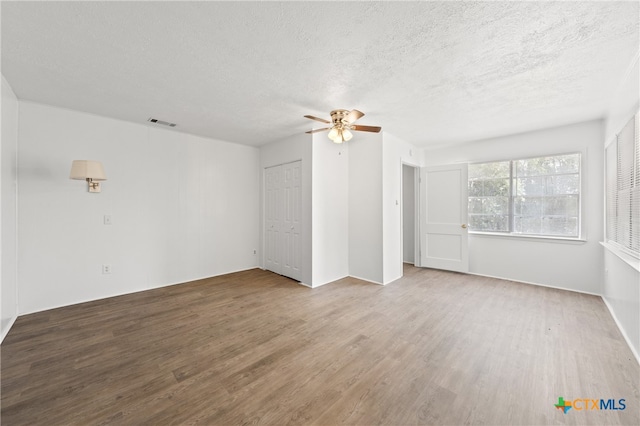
(444, 234)
(272, 218)
(444, 246)
(291, 223)
(283, 206)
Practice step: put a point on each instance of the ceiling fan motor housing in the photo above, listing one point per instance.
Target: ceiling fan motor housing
(342, 122)
(338, 116)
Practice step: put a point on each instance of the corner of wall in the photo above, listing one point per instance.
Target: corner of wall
(396, 152)
(8, 208)
(330, 211)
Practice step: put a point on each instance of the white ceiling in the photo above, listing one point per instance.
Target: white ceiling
(427, 72)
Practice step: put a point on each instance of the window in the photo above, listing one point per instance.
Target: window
(489, 189)
(533, 196)
(623, 188)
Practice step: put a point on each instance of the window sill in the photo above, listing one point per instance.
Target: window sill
(627, 258)
(540, 238)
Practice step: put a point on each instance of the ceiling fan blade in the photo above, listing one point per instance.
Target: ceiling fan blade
(311, 117)
(361, 128)
(353, 116)
(318, 130)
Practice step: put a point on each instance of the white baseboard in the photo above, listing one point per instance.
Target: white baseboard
(325, 283)
(532, 283)
(149, 287)
(624, 333)
(192, 279)
(5, 332)
(364, 279)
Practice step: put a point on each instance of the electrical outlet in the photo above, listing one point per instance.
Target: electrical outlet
(106, 269)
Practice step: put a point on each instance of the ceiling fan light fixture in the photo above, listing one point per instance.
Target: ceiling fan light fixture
(342, 121)
(338, 137)
(339, 134)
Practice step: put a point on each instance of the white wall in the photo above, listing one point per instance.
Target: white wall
(375, 194)
(8, 200)
(622, 294)
(183, 207)
(395, 153)
(330, 210)
(365, 207)
(622, 281)
(570, 265)
(294, 148)
(625, 102)
(408, 214)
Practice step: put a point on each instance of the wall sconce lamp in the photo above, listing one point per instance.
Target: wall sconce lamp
(91, 171)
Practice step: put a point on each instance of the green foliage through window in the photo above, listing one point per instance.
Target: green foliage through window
(534, 196)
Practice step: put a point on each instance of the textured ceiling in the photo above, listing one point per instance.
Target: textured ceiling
(428, 72)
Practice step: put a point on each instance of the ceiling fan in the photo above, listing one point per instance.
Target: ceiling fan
(342, 124)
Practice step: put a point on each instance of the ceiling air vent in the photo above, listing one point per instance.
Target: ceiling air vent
(164, 123)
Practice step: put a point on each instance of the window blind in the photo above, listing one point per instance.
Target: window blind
(623, 188)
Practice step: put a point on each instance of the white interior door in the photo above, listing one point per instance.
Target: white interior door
(282, 214)
(292, 206)
(272, 215)
(444, 236)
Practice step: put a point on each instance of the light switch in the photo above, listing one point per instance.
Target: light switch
(107, 219)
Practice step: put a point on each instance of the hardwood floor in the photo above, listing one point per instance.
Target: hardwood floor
(256, 348)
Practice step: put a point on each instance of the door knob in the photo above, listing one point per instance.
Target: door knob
(464, 226)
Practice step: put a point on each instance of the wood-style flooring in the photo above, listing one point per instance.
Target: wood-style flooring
(253, 347)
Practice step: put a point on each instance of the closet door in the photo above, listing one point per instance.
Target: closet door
(282, 213)
(273, 214)
(292, 206)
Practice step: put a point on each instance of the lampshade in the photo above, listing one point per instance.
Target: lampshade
(87, 169)
(346, 135)
(333, 134)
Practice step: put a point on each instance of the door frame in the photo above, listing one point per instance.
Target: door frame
(416, 212)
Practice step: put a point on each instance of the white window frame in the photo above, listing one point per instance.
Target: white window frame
(624, 252)
(580, 238)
